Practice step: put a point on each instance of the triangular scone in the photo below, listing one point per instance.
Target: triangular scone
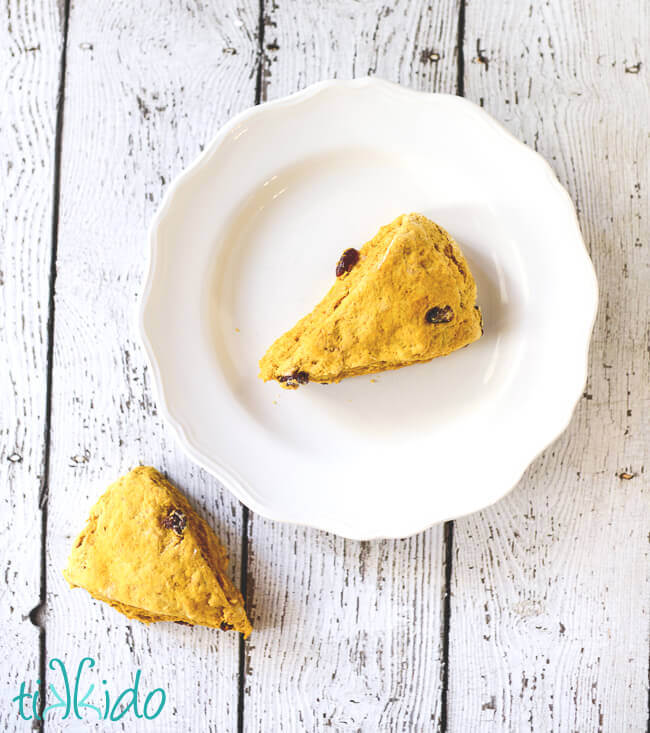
(407, 296)
(149, 555)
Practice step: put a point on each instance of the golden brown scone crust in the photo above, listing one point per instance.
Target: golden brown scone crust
(149, 555)
(375, 316)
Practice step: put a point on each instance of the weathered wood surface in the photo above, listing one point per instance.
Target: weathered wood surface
(549, 613)
(30, 40)
(349, 634)
(146, 87)
(551, 587)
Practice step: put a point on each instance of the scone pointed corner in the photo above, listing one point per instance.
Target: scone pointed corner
(407, 296)
(146, 552)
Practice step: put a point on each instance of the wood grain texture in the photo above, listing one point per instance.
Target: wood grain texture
(412, 43)
(30, 44)
(348, 634)
(148, 84)
(551, 587)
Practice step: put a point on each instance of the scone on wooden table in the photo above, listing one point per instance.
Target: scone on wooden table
(406, 296)
(147, 553)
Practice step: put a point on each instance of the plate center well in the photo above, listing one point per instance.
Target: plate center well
(276, 260)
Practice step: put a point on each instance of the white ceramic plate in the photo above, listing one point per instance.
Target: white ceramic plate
(246, 242)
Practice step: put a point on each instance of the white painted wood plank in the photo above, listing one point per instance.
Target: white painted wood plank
(551, 591)
(405, 42)
(348, 634)
(30, 40)
(147, 85)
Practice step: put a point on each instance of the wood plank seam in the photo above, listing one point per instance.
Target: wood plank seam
(37, 615)
(448, 550)
(448, 536)
(260, 96)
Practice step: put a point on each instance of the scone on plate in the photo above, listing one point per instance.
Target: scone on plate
(145, 552)
(406, 296)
